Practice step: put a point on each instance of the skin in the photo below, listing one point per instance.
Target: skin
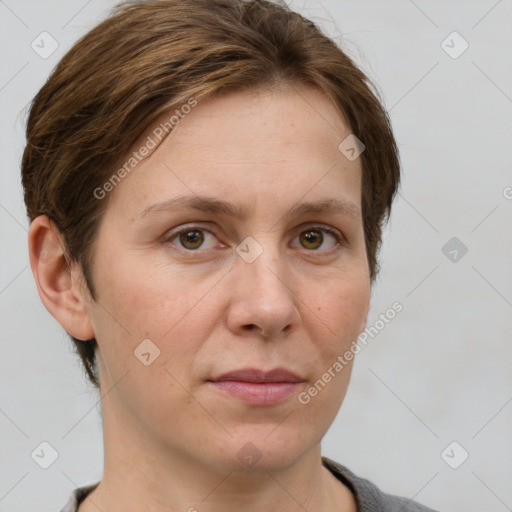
(171, 439)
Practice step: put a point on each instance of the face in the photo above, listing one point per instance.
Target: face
(238, 244)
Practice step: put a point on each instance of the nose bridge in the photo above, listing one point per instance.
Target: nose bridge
(265, 272)
(265, 298)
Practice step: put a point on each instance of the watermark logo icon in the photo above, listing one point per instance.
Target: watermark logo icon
(454, 249)
(44, 455)
(44, 45)
(147, 352)
(454, 45)
(351, 147)
(48, 250)
(249, 249)
(454, 455)
(249, 455)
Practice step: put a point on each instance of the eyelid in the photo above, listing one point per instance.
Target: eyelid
(320, 226)
(173, 233)
(189, 226)
(336, 233)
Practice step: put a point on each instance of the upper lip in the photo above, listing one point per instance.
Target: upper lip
(256, 375)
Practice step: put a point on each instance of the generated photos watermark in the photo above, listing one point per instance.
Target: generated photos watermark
(304, 397)
(157, 135)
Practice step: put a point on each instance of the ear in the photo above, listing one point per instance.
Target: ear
(59, 281)
(364, 320)
(362, 327)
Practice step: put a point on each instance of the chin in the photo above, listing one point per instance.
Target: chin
(258, 451)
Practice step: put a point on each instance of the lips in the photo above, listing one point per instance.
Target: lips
(254, 375)
(258, 387)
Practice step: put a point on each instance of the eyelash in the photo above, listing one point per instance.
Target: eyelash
(338, 237)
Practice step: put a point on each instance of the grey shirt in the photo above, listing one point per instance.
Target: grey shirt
(368, 496)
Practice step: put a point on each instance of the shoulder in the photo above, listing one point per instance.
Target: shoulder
(77, 496)
(369, 497)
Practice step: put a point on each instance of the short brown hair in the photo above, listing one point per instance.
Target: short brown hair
(147, 58)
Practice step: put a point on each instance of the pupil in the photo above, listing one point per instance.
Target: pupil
(312, 239)
(192, 239)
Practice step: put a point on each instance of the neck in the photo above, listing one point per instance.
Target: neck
(144, 472)
(136, 478)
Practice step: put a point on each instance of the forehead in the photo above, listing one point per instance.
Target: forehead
(250, 145)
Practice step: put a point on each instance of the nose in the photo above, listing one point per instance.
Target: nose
(263, 300)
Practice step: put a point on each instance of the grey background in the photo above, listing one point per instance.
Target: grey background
(441, 371)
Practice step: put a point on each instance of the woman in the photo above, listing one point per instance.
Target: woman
(207, 183)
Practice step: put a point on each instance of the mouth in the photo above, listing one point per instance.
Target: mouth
(258, 387)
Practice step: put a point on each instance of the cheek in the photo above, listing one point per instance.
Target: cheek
(147, 302)
(150, 297)
(339, 309)
(138, 301)
(334, 320)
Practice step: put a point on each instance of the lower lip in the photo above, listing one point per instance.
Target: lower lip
(264, 393)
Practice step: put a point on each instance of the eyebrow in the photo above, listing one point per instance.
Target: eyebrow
(219, 207)
(198, 203)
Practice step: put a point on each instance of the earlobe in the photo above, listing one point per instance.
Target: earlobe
(58, 280)
(362, 327)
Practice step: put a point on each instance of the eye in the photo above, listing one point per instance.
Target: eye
(193, 239)
(318, 238)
